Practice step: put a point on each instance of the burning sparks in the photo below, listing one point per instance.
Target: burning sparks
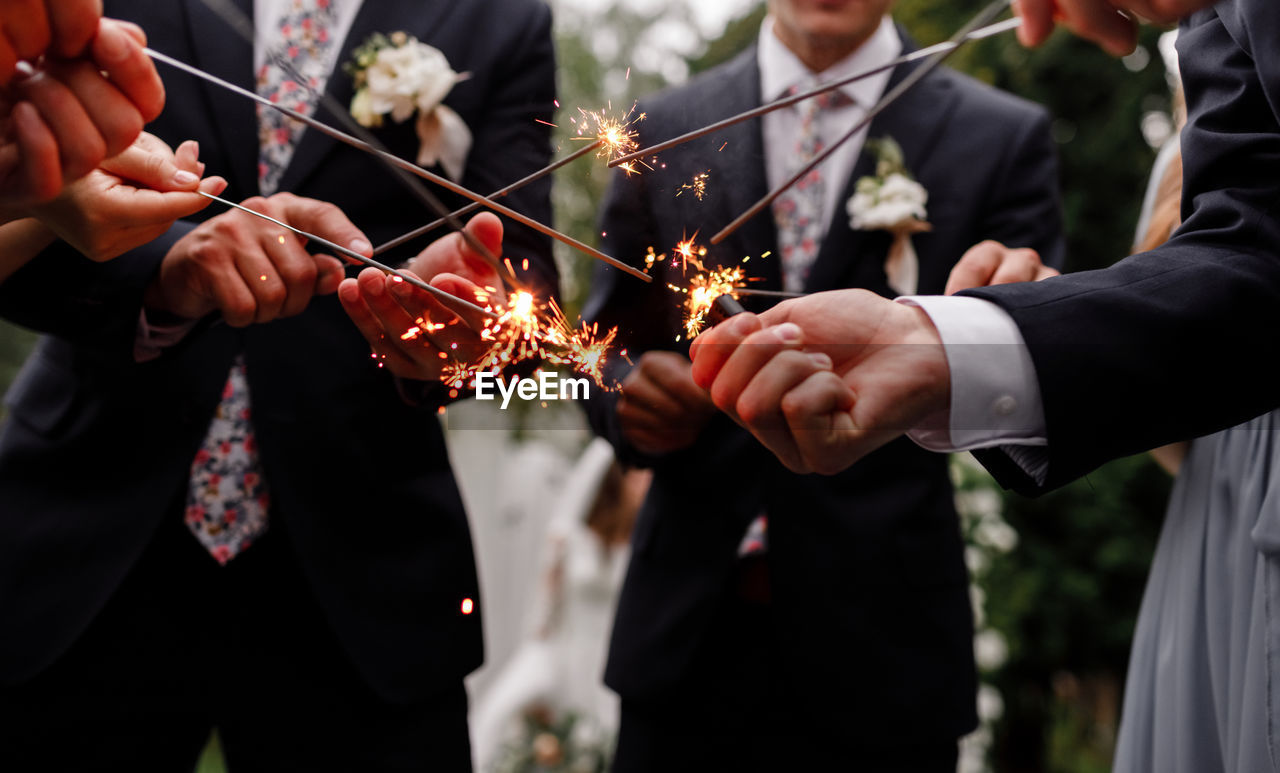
(707, 284)
(697, 186)
(615, 135)
(528, 329)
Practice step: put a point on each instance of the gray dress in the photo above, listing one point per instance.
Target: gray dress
(1202, 692)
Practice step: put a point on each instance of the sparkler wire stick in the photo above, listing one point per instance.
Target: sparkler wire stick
(946, 45)
(426, 197)
(747, 291)
(983, 17)
(406, 166)
(473, 206)
(448, 299)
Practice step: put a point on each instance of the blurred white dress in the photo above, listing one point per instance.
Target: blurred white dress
(560, 664)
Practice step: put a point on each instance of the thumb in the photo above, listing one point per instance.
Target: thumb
(150, 163)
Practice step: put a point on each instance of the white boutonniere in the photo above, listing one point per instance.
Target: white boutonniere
(401, 76)
(891, 200)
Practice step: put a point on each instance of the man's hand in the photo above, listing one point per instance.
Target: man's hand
(63, 121)
(991, 263)
(30, 29)
(661, 410)
(1102, 21)
(386, 309)
(131, 199)
(251, 270)
(826, 379)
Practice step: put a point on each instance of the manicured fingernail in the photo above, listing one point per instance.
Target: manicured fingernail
(360, 246)
(375, 288)
(789, 332)
(183, 177)
(400, 287)
(742, 324)
(821, 360)
(349, 291)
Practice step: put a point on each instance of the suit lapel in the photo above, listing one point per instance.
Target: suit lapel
(221, 51)
(744, 180)
(385, 16)
(916, 121)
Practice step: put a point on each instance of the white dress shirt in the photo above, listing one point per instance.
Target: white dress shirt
(780, 69)
(995, 395)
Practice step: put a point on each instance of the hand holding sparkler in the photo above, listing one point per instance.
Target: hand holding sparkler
(252, 270)
(1106, 22)
(64, 118)
(130, 199)
(661, 410)
(826, 379)
(410, 331)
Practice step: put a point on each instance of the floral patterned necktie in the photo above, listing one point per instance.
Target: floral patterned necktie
(305, 42)
(227, 498)
(798, 211)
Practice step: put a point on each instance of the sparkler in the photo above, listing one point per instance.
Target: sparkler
(984, 16)
(447, 299)
(616, 134)
(697, 186)
(943, 47)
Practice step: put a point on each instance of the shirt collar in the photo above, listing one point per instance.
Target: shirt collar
(780, 69)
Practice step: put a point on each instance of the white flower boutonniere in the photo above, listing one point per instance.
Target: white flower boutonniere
(892, 201)
(400, 76)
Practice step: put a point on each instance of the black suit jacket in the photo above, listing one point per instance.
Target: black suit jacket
(98, 447)
(870, 600)
(1183, 340)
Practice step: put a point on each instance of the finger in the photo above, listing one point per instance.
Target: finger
(39, 173)
(354, 299)
(329, 274)
(486, 228)
(1037, 21)
(232, 295)
(1017, 266)
(672, 373)
(748, 358)
(27, 27)
(324, 220)
(8, 61)
(142, 207)
(759, 406)
(393, 318)
(116, 119)
(118, 54)
(80, 147)
(643, 393)
(635, 418)
(151, 168)
(294, 269)
(458, 287)
(187, 157)
(712, 349)
(975, 268)
(825, 436)
(1101, 22)
(73, 24)
(1044, 272)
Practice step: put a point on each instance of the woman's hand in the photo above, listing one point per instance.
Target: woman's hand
(131, 199)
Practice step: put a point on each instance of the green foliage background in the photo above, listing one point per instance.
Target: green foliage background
(1066, 597)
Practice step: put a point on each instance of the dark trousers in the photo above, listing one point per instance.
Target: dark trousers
(185, 646)
(735, 712)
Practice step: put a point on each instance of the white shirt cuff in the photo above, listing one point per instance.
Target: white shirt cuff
(150, 341)
(995, 397)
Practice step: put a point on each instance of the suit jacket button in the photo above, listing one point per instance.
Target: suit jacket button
(1005, 405)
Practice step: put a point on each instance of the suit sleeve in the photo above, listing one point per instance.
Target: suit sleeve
(62, 293)
(1025, 208)
(1183, 340)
